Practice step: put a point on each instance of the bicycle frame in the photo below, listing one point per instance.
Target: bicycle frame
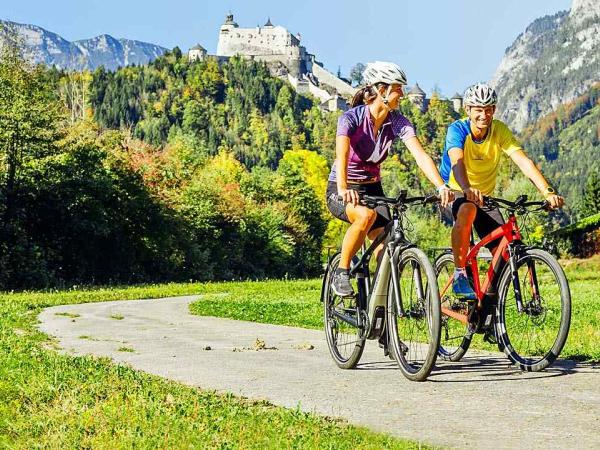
(375, 296)
(509, 232)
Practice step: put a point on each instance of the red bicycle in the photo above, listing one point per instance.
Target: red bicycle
(523, 304)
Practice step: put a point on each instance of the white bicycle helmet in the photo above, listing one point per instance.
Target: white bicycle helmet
(383, 72)
(480, 94)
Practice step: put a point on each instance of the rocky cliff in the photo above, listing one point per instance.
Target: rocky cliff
(555, 60)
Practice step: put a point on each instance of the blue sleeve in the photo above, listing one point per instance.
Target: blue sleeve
(455, 137)
(457, 134)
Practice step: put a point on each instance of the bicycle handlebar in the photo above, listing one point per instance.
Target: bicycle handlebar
(373, 201)
(520, 203)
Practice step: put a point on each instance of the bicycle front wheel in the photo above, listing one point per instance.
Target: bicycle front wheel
(414, 318)
(346, 341)
(455, 336)
(533, 337)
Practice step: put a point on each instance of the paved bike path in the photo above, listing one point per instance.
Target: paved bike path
(480, 402)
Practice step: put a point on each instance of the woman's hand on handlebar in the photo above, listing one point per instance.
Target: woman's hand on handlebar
(349, 196)
(555, 201)
(446, 195)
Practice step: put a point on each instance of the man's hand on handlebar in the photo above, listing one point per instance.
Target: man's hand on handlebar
(474, 195)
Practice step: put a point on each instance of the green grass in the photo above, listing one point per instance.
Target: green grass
(51, 400)
(126, 349)
(296, 303)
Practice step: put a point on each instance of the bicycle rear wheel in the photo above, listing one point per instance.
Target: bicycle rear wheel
(346, 342)
(534, 337)
(414, 328)
(455, 337)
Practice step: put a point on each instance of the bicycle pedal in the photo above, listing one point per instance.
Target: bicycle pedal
(490, 337)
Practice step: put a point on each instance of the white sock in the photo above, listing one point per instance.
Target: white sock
(458, 271)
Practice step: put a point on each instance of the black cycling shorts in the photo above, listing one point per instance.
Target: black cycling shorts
(337, 207)
(486, 220)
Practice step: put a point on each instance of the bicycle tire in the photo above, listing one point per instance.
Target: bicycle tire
(414, 336)
(530, 352)
(455, 338)
(346, 348)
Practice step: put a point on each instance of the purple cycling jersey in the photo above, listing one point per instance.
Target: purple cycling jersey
(366, 151)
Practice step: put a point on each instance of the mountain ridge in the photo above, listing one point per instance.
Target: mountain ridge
(49, 48)
(555, 60)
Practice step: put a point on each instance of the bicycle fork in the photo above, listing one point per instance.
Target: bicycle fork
(533, 285)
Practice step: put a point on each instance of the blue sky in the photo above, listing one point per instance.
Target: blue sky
(448, 44)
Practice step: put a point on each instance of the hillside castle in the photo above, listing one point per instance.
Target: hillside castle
(287, 59)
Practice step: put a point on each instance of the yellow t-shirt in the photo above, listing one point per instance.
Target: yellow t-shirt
(481, 159)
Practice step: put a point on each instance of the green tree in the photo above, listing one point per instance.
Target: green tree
(356, 73)
(590, 203)
(29, 115)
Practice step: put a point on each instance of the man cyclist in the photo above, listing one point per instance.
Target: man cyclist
(472, 152)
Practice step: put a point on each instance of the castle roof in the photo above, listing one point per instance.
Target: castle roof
(457, 95)
(198, 47)
(416, 90)
(268, 24)
(229, 20)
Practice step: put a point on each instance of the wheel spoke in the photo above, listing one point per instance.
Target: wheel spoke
(345, 341)
(535, 336)
(455, 339)
(416, 332)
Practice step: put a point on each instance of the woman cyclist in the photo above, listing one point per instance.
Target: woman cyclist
(365, 134)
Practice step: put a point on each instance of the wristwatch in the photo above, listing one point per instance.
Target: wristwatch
(549, 191)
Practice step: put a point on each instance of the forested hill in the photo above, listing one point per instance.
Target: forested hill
(236, 106)
(176, 170)
(82, 200)
(566, 143)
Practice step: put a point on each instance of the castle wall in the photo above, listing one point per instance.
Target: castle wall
(276, 44)
(330, 79)
(267, 44)
(256, 41)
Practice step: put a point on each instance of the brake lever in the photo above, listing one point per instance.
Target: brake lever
(487, 201)
(433, 198)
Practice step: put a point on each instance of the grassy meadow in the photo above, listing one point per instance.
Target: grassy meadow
(297, 304)
(51, 400)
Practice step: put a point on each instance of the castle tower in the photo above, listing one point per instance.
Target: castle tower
(196, 53)
(417, 96)
(225, 35)
(457, 102)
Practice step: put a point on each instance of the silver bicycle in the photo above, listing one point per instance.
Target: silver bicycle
(399, 305)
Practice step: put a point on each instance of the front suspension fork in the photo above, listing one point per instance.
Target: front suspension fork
(512, 259)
